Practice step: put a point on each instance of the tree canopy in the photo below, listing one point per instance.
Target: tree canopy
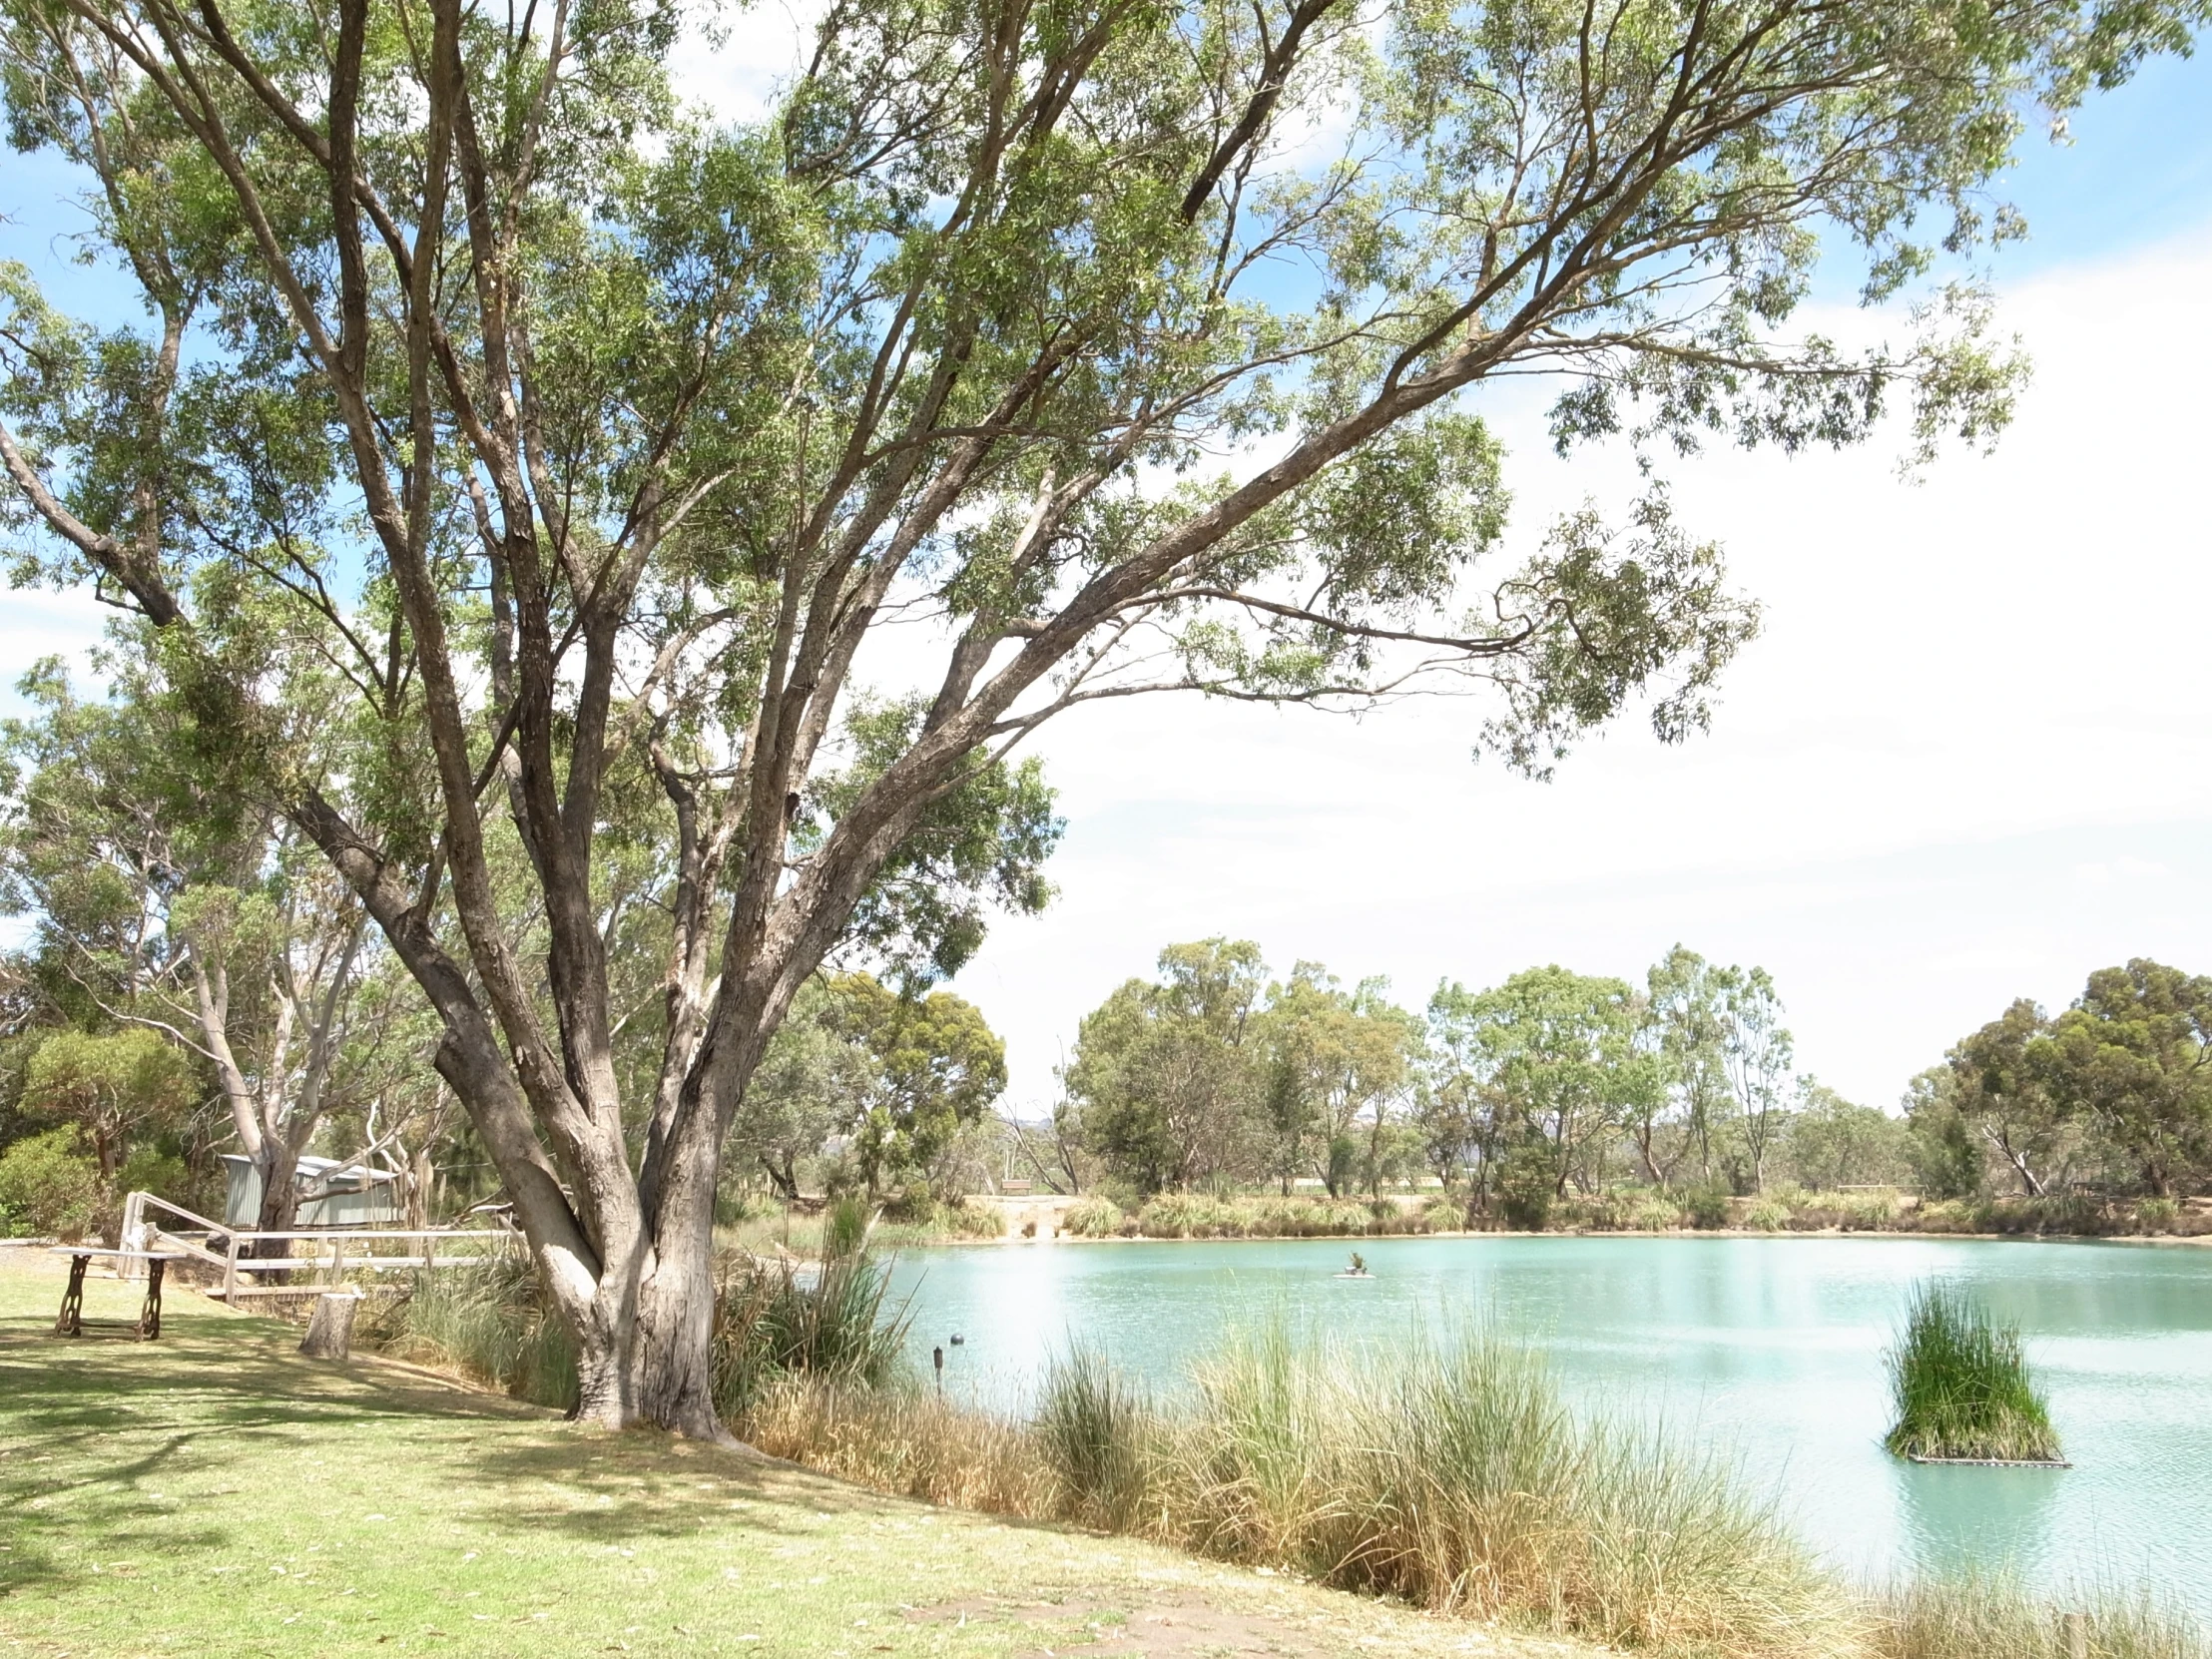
(2134, 1054)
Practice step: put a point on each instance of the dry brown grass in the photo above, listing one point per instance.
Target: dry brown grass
(907, 1444)
(1988, 1617)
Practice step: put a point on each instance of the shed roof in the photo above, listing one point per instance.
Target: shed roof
(326, 1169)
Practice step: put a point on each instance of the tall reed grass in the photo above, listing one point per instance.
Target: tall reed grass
(489, 1321)
(1450, 1475)
(1985, 1617)
(1096, 1436)
(826, 1320)
(1961, 1385)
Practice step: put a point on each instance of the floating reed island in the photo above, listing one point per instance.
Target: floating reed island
(1962, 1388)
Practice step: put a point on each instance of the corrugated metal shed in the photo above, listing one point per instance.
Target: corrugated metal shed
(332, 1194)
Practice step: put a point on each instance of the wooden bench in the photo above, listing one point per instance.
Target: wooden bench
(147, 1326)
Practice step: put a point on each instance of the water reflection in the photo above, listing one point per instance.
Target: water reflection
(1958, 1519)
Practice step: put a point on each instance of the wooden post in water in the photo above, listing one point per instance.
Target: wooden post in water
(2076, 1627)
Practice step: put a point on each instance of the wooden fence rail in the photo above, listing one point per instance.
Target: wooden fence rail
(236, 1250)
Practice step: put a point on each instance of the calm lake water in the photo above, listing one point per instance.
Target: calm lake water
(1766, 1349)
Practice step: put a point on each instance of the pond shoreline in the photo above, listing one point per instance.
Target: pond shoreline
(951, 1240)
(1039, 1220)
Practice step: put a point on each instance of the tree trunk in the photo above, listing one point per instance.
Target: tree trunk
(278, 1167)
(421, 1171)
(330, 1328)
(649, 1358)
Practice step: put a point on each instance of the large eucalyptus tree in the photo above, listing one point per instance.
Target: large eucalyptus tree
(1124, 343)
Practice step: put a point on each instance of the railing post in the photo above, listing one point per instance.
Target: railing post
(231, 1275)
(133, 1234)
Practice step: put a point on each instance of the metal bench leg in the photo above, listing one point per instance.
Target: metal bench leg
(150, 1317)
(70, 1321)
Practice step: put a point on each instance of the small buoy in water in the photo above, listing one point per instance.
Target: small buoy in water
(958, 1339)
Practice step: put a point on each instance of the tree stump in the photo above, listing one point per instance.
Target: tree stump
(330, 1329)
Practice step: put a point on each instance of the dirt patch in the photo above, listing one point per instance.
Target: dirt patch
(1188, 1627)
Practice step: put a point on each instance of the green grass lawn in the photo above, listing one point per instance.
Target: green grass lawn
(215, 1495)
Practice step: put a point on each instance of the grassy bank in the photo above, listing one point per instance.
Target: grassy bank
(771, 1228)
(214, 1492)
(1204, 1215)
(1451, 1477)
(1961, 1385)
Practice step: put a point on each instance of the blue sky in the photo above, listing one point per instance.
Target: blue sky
(2139, 170)
(1966, 760)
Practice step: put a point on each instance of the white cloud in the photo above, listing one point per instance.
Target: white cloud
(752, 53)
(37, 623)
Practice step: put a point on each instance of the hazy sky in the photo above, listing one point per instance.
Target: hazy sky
(1967, 760)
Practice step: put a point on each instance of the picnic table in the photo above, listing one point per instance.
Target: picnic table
(148, 1325)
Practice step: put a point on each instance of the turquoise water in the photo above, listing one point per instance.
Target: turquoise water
(1768, 1350)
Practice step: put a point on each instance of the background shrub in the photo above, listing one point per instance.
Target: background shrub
(1528, 1182)
(50, 1185)
(1096, 1217)
(1706, 1205)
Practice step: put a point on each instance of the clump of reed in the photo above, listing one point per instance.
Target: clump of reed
(1454, 1476)
(1096, 1217)
(1961, 1385)
(1976, 1617)
(489, 1321)
(1094, 1433)
(824, 1320)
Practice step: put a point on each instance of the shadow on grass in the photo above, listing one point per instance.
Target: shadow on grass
(226, 1396)
(91, 1422)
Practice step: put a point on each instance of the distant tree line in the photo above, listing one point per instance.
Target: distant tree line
(1214, 1075)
